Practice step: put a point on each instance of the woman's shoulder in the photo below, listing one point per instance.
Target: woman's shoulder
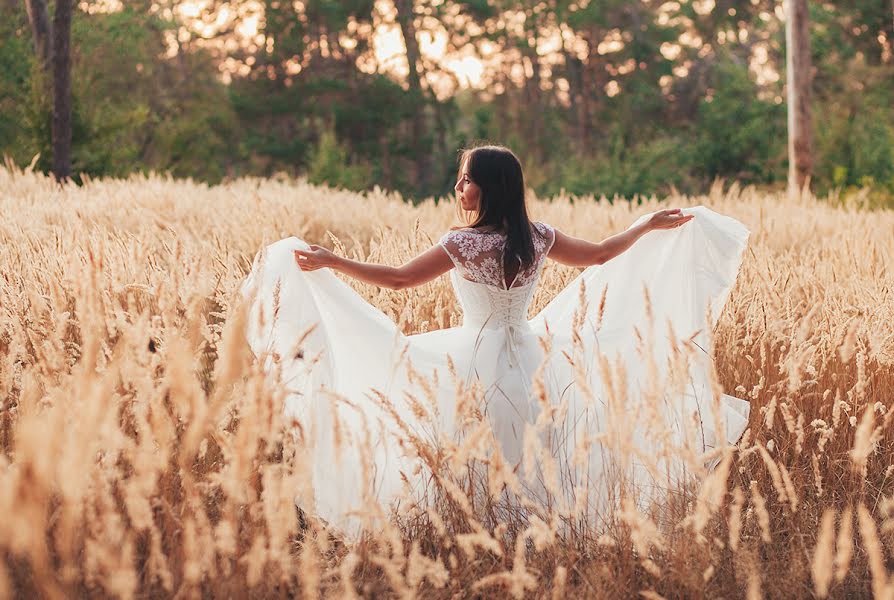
(543, 228)
(469, 237)
(466, 232)
(546, 236)
(480, 230)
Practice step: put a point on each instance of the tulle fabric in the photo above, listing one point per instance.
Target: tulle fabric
(611, 377)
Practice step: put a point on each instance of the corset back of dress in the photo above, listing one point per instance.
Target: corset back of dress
(489, 307)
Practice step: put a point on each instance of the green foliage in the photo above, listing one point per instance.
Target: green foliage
(16, 97)
(650, 167)
(855, 130)
(330, 165)
(736, 134)
(130, 110)
(170, 115)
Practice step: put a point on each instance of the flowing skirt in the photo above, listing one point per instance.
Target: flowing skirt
(608, 390)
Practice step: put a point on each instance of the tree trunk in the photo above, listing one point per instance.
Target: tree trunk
(423, 154)
(798, 78)
(592, 89)
(574, 75)
(891, 36)
(532, 121)
(39, 19)
(62, 90)
(443, 150)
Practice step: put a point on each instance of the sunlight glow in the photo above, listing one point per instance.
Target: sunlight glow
(100, 6)
(466, 67)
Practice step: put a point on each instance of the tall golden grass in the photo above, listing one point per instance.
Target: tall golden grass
(143, 453)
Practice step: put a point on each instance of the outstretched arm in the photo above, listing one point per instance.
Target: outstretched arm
(425, 267)
(576, 252)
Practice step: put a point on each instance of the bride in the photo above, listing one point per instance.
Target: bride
(613, 375)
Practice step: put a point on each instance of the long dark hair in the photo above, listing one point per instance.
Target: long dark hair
(497, 171)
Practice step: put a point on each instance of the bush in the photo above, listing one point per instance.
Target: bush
(330, 165)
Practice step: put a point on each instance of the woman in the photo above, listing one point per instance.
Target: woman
(364, 395)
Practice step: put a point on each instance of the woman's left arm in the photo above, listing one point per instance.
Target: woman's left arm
(425, 267)
(576, 252)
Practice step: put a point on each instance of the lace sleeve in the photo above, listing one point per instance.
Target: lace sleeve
(475, 256)
(450, 247)
(544, 242)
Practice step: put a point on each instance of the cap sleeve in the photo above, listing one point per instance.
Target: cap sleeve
(448, 243)
(548, 236)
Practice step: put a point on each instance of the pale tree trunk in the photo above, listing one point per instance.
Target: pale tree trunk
(62, 90)
(408, 30)
(798, 78)
(39, 19)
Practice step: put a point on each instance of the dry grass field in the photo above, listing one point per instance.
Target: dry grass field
(142, 454)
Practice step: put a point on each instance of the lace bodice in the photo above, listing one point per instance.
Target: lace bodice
(478, 255)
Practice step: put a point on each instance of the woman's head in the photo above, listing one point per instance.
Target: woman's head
(490, 183)
(490, 187)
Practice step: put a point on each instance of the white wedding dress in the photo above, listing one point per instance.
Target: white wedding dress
(358, 389)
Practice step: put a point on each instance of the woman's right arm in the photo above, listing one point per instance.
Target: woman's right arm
(576, 252)
(425, 267)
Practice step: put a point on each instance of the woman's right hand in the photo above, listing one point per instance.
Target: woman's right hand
(315, 258)
(669, 218)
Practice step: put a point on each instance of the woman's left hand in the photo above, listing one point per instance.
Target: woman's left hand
(668, 218)
(315, 258)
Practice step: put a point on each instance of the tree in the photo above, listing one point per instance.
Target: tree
(62, 89)
(405, 18)
(798, 77)
(39, 19)
(52, 45)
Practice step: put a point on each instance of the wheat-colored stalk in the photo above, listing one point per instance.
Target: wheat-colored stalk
(143, 450)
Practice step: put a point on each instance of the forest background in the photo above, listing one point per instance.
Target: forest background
(610, 97)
